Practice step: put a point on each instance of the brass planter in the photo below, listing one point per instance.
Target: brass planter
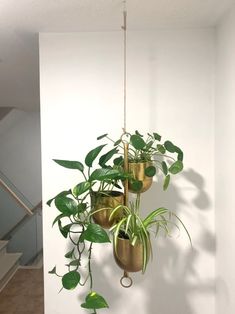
(127, 256)
(106, 203)
(138, 172)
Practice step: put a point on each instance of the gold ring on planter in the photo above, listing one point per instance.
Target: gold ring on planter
(126, 277)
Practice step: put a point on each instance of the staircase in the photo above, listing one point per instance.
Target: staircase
(9, 263)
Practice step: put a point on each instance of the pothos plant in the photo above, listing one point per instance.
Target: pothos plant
(75, 220)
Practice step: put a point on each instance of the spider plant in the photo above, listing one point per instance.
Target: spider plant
(137, 229)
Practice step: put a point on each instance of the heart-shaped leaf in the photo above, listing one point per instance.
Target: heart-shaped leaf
(91, 156)
(70, 254)
(95, 233)
(71, 280)
(63, 193)
(137, 142)
(53, 271)
(94, 301)
(106, 157)
(64, 230)
(70, 164)
(65, 205)
(81, 188)
(104, 174)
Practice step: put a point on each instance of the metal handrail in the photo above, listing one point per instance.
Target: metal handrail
(16, 226)
(18, 200)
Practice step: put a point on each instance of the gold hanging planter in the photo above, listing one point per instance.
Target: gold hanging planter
(102, 205)
(138, 172)
(127, 256)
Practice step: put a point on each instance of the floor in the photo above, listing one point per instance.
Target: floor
(24, 293)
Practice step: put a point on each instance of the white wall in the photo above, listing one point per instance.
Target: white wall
(170, 90)
(225, 164)
(20, 152)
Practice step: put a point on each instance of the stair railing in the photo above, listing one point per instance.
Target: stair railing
(7, 187)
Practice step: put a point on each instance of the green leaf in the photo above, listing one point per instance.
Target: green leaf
(170, 147)
(150, 171)
(75, 263)
(180, 153)
(161, 149)
(63, 193)
(106, 157)
(81, 188)
(118, 161)
(64, 230)
(137, 142)
(58, 218)
(94, 301)
(82, 207)
(71, 280)
(151, 217)
(102, 136)
(137, 133)
(166, 182)
(70, 164)
(136, 185)
(53, 271)
(164, 168)
(117, 142)
(66, 205)
(104, 174)
(149, 145)
(176, 167)
(70, 254)
(91, 156)
(95, 233)
(157, 136)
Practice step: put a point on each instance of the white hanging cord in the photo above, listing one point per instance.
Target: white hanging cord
(124, 78)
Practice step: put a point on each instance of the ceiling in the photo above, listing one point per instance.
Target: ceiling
(21, 21)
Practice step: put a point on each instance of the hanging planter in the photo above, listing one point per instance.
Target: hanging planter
(94, 204)
(147, 157)
(102, 205)
(141, 180)
(128, 257)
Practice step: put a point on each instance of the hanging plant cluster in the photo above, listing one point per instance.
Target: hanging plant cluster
(98, 203)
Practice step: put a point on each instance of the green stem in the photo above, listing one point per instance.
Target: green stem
(89, 266)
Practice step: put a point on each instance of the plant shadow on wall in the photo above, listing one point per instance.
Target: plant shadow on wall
(172, 277)
(174, 274)
(97, 202)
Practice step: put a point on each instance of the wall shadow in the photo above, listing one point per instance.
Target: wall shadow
(172, 277)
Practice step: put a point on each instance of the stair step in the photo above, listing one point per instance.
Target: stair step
(3, 245)
(9, 263)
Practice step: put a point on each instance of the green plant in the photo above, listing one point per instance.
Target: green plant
(102, 175)
(75, 220)
(138, 229)
(150, 149)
